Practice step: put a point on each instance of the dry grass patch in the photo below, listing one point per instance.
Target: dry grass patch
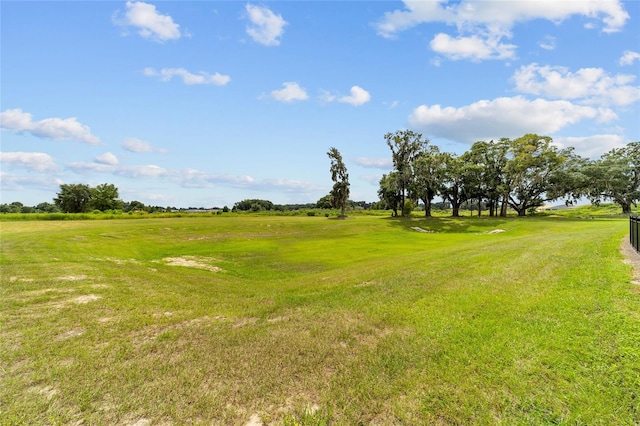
(71, 333)
(198, 262)
(84, 299)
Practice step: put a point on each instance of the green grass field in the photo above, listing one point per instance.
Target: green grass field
(308, 320)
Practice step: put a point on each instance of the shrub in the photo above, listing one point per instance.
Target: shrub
(407, 208)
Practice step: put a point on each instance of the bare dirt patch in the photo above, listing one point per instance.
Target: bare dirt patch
(22, 280)
(631, 257)
(254, 421)
(496, 231)
(72, 278)
(425, 231)
(71, 333)
(84, 299)
(192, 262)
(48, 392)
(245, 322)
(151, 333)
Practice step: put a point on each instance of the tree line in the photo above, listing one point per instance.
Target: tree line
(82, 198)
(520, 174)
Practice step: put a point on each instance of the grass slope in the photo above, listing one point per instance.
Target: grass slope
(306, 320)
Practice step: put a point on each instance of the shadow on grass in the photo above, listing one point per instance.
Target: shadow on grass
(449, 224)
(479, 224)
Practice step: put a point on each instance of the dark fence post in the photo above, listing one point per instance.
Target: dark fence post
(634, 232)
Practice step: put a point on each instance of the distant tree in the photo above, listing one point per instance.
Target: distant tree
(133, 206)
(253, 205)
(405, 145)
(73, 198)
(616, 177)
(389, 192)
(427, 168)
(324, 202)
(105, 197)
(15, 207)
(535, 172)
(340, 191)
(452, 183)
(47, 208)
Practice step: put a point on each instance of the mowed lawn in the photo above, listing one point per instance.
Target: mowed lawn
(236, 320)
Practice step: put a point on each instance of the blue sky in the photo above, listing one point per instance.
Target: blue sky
(208, 103)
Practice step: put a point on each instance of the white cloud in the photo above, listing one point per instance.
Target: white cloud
(629, 57)
(166, 74)
(37, 161)
(51, 128)
(358, 97)
(140, 146)
(482, 25)
(150, 170)
(474, 47)
(291, 92)
(265, 26)
(12, 182)
(135, 171)
(326, 96)
(285, 185)
(107, 158)
(469, 15)
(590, 85)
(151, 24)
(81, 167)
(193, 178)
(375, 163)
(548, 43)
(502, 117)
(591, 146)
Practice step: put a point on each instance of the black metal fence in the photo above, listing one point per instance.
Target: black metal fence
(634, 231)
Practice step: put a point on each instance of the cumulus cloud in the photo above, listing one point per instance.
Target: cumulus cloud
(191, 178)
(139, 146)
(150, 170)
(166, 74)
(13, 182)
(474, 48)
(37, 161)
(107, 158)
(629, 57)
(265, 27)
(502, 117)
(130, 171)
(374, 163)
(591, 85)
(291, 92)
(469, 14)
(150, 24)
(358, 97)
(50, 128)
(482, 25)
(591, 146)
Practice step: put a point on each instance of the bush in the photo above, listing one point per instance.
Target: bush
(311, 213)
(407, 208)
